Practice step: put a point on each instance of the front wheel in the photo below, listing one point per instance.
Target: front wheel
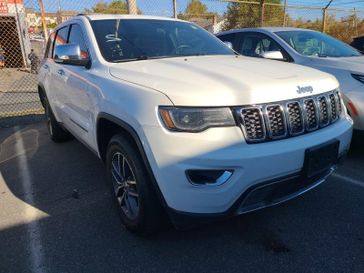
(135, 197)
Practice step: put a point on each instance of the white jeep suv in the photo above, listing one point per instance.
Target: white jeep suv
(186, 127)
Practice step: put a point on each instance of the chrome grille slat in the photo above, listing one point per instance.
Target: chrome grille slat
(276, 121)
(295, 118)
(323, 111)
(279, 120)
(338, 103)
(333, 107)
(253, 124)
(311, 116)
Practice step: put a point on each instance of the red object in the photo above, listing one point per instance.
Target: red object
(353, 109)
(14, 1)
(4, 6)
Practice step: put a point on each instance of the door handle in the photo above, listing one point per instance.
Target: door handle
(46, 66)
(61, 72)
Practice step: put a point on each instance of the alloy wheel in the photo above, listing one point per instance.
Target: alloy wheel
(125, 185)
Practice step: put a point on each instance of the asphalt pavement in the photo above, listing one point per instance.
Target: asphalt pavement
(46, 227)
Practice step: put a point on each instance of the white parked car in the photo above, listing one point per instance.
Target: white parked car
(181, 123)
(309, 48)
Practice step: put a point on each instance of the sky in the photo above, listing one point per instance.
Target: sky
(165, 7)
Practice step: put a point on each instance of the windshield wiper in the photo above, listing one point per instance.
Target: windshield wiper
(139, 58)
(144, 57)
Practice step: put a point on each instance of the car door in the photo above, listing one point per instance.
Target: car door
(75, 94)
(45, 75)
(58, 85)
(254, 44)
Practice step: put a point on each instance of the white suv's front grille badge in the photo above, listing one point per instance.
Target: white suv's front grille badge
(289, 118)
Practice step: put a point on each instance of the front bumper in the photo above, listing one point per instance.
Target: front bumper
(262, 195)
(171, 154)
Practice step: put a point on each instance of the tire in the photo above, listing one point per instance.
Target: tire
(55, 130)
(137, 203)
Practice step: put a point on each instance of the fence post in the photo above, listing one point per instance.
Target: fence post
(324, 16)
(175, 8)
(44, 23)
(262, 13)
(132, 7)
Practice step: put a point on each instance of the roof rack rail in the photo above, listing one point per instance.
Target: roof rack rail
(84, 14)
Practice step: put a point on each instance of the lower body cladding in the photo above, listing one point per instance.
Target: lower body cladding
(215, 173)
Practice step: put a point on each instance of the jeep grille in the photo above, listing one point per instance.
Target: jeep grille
(279, 120)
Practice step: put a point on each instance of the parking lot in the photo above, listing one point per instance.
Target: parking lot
(44, 228)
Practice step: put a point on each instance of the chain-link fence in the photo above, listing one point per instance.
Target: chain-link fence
(25, 24)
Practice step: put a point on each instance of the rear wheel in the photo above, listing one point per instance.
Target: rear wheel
(56, 132)
(135, 198)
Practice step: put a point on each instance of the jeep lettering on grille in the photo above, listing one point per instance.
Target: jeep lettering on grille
(304, 89)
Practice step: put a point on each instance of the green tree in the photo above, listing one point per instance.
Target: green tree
(249, 15)
(195, 9)
(115, 7)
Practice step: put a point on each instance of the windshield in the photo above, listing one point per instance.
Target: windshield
(140, 39)
(311, 43)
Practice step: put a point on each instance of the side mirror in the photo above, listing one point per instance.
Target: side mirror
(273, 55)
(229, 44)
(69, 54)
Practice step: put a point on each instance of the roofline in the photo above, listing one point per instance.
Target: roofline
(264, 29)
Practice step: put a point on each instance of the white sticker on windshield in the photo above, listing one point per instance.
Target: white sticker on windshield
(112, 38)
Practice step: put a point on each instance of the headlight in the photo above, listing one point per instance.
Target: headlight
(358, 77)
(195, 119)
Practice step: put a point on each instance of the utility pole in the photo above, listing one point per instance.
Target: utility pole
(284, 13)
(175, 8)
(355, 23)
(324, 16)
(59, 13)
(262, 13)
(132, 6)
(44, 23)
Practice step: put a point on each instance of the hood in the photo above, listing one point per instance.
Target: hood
(352, 64)
(224, 80)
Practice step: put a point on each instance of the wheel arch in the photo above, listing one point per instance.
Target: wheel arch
(42, 94)
(113, 125)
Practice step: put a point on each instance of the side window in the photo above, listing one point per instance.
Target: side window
(255, 44)
(61, 37)
(230, 38)
(49, 49)
(76, 37)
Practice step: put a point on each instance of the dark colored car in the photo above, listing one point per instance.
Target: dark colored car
(358, 43)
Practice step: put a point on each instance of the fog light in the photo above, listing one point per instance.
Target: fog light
(209, 177)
